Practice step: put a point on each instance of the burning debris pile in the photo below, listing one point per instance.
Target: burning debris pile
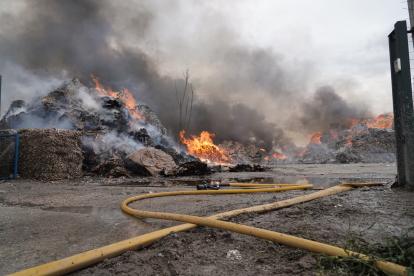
(121, 137)
(227, 153)
(112, 126)
(365, 141)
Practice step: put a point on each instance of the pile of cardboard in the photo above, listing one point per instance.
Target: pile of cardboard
(49, 154)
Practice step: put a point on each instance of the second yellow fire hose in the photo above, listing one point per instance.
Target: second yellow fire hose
(86, 259)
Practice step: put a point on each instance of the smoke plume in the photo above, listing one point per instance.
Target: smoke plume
(241, 91)
(326, 107)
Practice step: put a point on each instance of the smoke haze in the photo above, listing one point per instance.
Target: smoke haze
(242, 92)
(326, 108)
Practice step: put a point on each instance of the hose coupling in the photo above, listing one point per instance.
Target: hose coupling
(207, 186)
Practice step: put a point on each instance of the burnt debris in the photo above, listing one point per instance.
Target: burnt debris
(111, 132)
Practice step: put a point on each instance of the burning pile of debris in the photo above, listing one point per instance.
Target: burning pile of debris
(120, 137)
(112, 127)
(365, 141)
(227, 153)
(354, 141)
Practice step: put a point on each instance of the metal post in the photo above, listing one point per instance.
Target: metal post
(0, 96)
(411, 13)
(402, 103)
(16, 157)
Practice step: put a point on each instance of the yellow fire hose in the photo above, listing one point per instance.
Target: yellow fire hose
(88, 258)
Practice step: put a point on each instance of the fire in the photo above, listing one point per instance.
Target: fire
(382, 121)
(266, 158)
(278, 156)
(300, 154)
(315, 138)
(203, 147)
(125, 96)
(334, 134)
(351, 122)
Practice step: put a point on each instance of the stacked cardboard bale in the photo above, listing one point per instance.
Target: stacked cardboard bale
(49, 154)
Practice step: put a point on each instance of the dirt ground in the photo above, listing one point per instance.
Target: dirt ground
(42, 222)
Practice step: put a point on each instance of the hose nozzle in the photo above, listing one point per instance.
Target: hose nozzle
(206, 186)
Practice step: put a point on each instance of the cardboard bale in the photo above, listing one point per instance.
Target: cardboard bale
(49, 154)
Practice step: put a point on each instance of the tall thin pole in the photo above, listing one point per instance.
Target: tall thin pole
(402, 103)
(0, 96)
(411, 13)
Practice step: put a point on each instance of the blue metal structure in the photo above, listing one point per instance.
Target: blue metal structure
(8, 161)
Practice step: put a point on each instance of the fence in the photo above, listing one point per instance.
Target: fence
(9, 146)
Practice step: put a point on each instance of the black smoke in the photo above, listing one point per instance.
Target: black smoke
(326, 107)
(239, 123)
(47, 41)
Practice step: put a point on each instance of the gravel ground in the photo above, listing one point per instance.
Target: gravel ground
(46, 221)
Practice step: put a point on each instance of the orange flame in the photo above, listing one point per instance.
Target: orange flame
(125, 96)
(203, 147)
(266, 158)
(278, 156)
(300, 154)
(351, 122)
(315, 138)
(382, 121)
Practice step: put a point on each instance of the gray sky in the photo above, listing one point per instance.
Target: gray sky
(269, 55)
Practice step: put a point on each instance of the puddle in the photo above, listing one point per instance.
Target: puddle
(318, 182)
(111, 216)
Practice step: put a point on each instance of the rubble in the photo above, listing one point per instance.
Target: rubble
(103, 121)
(15, 108)
(100, 145)
(74, 106)
(243, 153)
(179, 158)
(113, 167)
(360, 144)
(190, 168)
(247, 168)
(150, 118)
(153, 160)
(142, 137)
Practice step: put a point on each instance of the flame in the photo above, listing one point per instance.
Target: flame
(315, 138)
(300, 154)
(334, 134)
(384, 120)
(203, 147)
(125, 96)
(262, 149)
(351, 122)
(278, 156)
(266, 158)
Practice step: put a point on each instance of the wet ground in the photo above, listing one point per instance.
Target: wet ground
(45, 221)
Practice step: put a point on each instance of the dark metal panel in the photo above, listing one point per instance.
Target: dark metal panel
(402, 103)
